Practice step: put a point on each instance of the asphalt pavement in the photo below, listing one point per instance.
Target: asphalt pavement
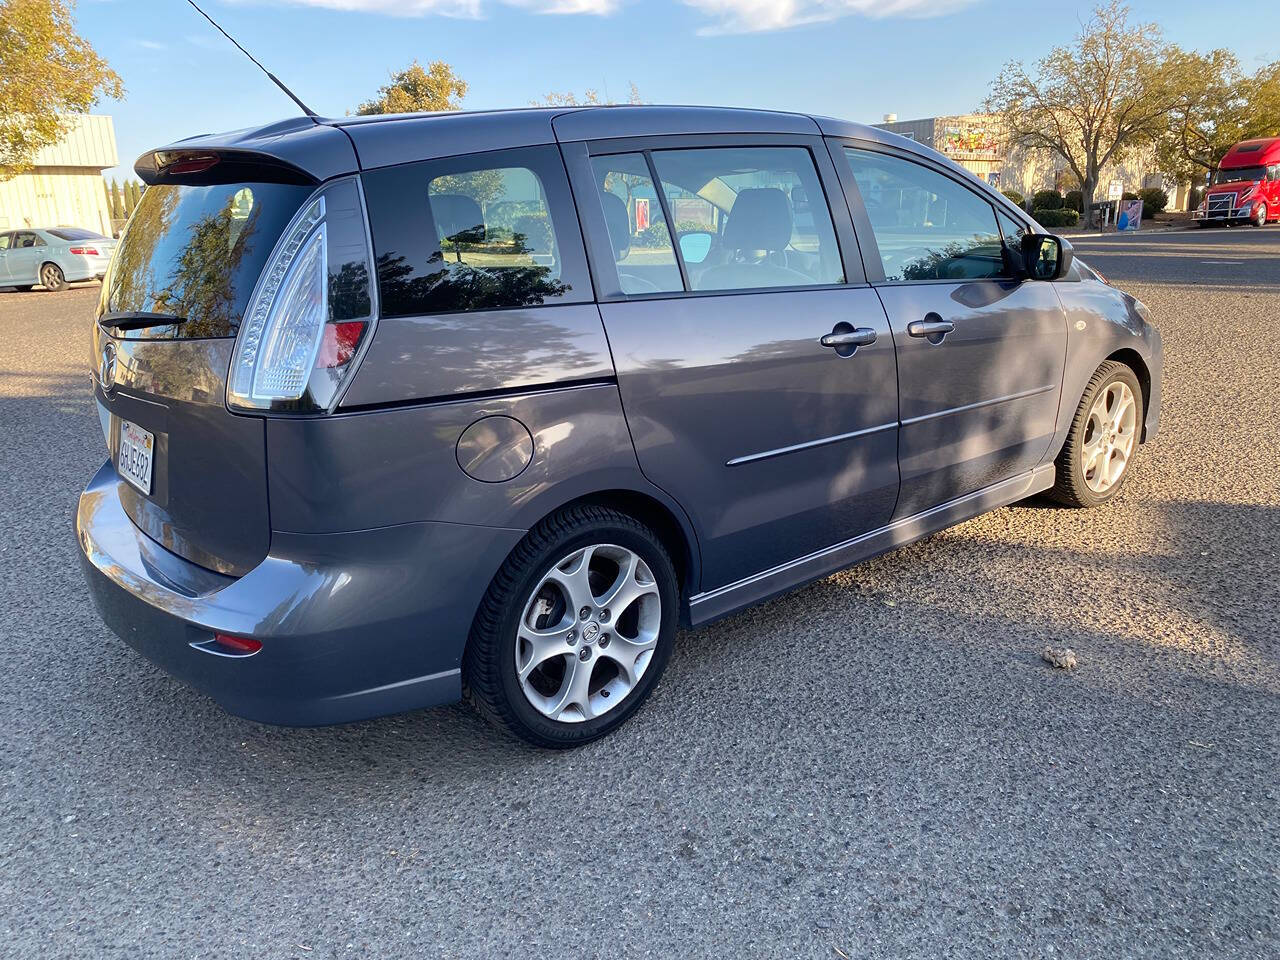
(877, 765)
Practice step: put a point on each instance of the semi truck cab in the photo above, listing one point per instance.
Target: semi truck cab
(1246, 186)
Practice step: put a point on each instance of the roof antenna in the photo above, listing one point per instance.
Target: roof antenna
(273, 78)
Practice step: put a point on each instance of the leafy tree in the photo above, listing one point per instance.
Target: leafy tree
(416, 89)
(48, 73)
(129, 200)
(117, 204)
(1111, 90)
(589, 98)
(1220, 105)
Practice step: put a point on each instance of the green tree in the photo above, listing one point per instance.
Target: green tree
(1110, 90)
(48, 73)
(416, 89)
(129, 201)
(136, 190)
(117, 204)
(589, 98)
(1220, 105)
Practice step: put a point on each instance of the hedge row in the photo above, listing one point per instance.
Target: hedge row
(1055, 216)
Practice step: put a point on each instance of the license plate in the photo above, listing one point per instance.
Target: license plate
(137, 452)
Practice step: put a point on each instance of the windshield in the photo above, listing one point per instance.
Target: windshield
(1240, 173)
(75, 233)
(196, 253)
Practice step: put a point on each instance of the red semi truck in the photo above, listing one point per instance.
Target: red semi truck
(1246, 186)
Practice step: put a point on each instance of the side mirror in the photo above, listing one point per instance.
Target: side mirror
(1046, 257)
(695, 246)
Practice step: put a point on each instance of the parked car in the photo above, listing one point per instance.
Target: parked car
(52, 257)
(1246, 186)
(406, 409)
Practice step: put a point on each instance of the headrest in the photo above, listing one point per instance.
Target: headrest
(618, 221)
(760, 219)
(455, 214)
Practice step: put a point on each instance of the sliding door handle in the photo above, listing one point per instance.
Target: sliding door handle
(932, 328)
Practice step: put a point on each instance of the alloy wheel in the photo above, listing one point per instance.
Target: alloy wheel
(51, 277)
(587, 633)
(1109, 436)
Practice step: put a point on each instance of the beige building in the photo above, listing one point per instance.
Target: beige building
(64, 186)
(976, 141)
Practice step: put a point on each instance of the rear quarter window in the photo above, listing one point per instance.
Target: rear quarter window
(483, 232)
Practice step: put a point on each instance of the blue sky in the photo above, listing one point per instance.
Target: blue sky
(856, 59)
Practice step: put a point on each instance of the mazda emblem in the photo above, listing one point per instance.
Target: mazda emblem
(107, 368)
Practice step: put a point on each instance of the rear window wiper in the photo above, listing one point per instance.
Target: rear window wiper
(137, 319)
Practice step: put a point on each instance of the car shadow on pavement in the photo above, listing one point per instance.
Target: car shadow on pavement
(855, 640)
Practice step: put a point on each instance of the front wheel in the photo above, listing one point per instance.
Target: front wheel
(1260, 218)
(1104, 435)
(575, 630)
(52, 277)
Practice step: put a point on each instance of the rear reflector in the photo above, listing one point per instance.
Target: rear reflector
(225, 645)
(338, 343)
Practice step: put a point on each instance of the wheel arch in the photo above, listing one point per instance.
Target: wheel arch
(668, 522)
(1135, 362)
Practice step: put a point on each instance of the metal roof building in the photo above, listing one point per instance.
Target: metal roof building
(64, 186)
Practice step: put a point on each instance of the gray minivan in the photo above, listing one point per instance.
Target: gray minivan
(402, 409)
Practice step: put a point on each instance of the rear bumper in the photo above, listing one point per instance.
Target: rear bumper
(353, 625)
(83, 268)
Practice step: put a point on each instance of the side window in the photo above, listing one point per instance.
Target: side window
(24, 240)
(472, 233)
(4, 241)
(927, 226)
(1273, 172)
(638, 231)
(1012, 230)
(749, 217)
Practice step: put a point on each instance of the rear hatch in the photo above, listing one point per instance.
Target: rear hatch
(192, 472)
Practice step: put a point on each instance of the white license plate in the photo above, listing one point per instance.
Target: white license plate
(137, 453)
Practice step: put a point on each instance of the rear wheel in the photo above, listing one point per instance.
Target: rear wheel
(52, 278)
(1104, 436)
(575, 630)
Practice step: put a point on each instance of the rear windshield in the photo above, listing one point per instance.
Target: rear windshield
(75, 233)
(196, 252)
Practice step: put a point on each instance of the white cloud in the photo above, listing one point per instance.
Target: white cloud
(467, 9)
(751, 16)
(728, 16)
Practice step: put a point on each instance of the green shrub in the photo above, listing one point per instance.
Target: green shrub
(1015, 196)
(1055, 217)
(1047, 200)
(1193, 201)
(1074, 201)
(1154, 200)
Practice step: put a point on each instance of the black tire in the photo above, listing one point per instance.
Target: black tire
(489, 678)
(1070, 488)
(1260, 218)
(52, 277)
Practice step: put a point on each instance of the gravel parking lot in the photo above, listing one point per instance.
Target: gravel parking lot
(878, 765)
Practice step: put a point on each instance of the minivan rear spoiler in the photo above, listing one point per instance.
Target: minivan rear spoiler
(298, 150)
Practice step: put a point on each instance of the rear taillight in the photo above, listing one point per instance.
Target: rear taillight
(85, 251)
(291, 353)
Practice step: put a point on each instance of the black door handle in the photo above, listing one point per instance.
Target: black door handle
(932, 328)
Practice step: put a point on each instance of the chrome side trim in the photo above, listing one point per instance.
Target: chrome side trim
(1034, 391)
(730, 598)
(808, 445)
